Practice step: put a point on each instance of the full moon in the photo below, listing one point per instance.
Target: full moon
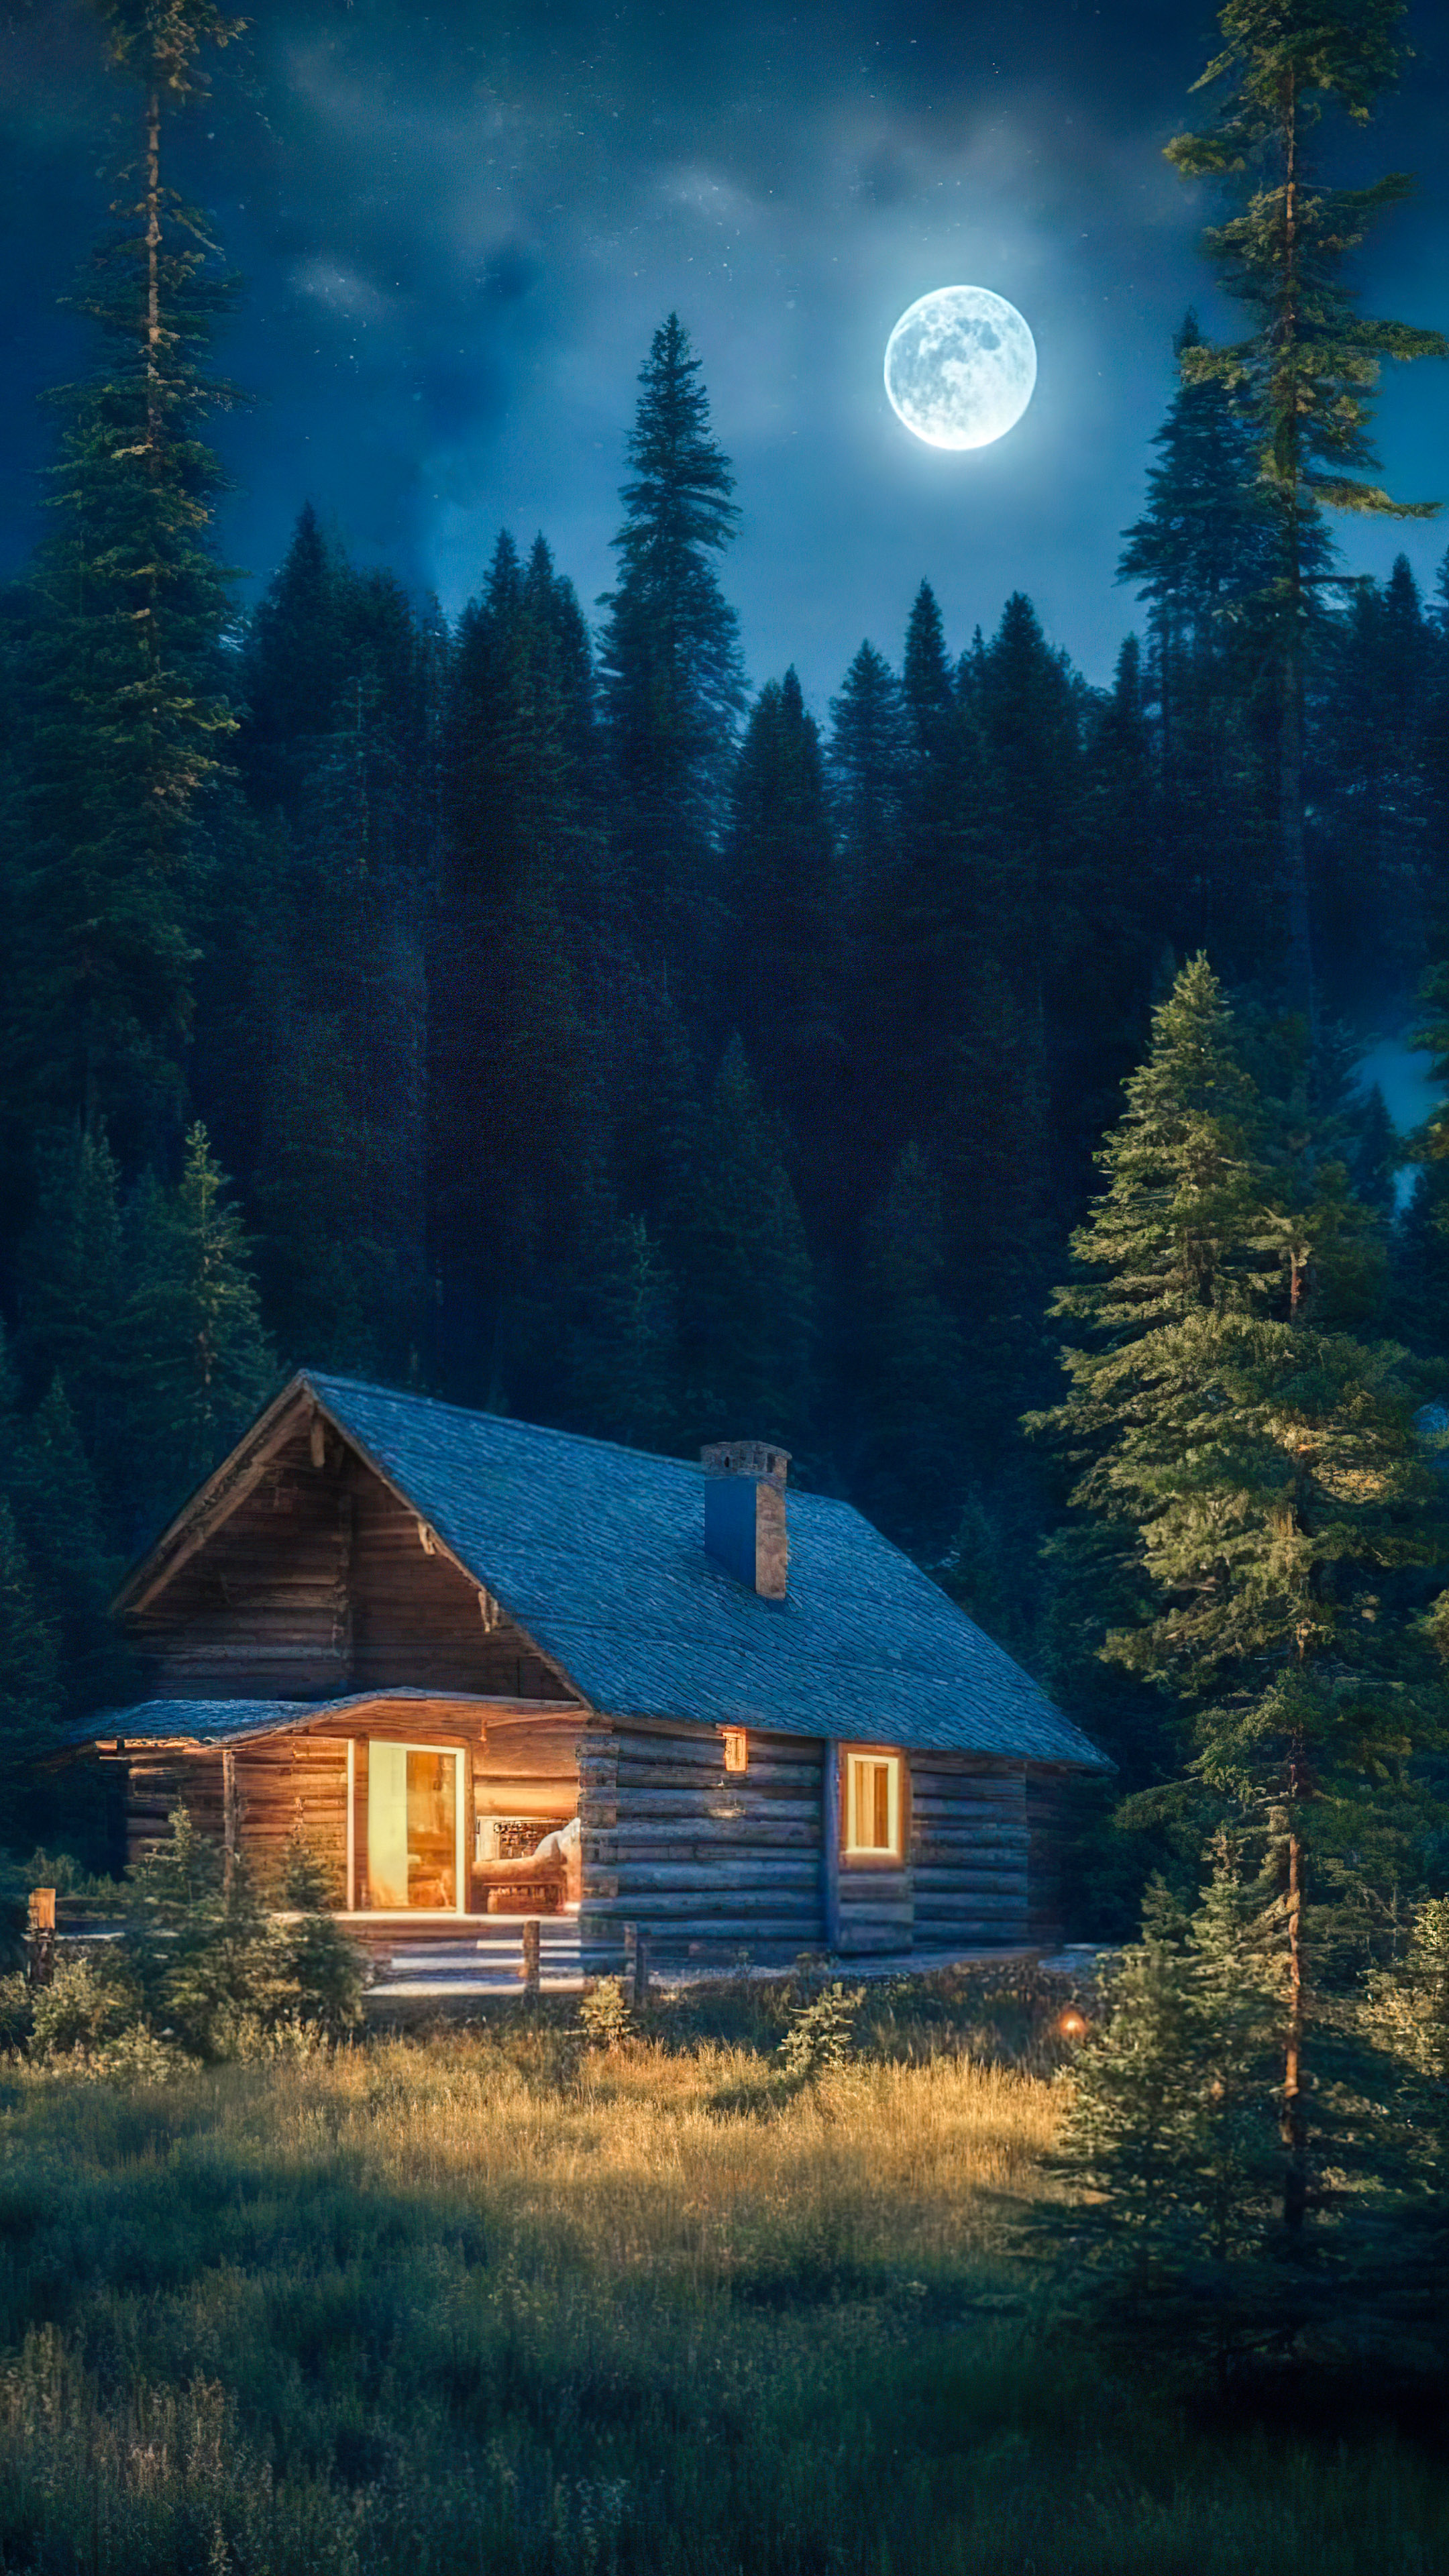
(960, 366)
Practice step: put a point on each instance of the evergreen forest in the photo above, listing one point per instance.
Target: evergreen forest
(541, 1012)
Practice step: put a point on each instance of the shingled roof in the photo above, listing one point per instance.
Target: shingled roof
(597, 1552)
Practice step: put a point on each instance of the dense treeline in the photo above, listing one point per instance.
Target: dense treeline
(534, 1012)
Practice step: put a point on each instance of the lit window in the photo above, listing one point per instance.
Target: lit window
(736, 1749)
(873, 1804)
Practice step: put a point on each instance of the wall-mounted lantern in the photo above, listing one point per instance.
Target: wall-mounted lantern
(736, 1749)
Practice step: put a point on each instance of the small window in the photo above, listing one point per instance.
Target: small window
(736, 1749)
(873, 1804)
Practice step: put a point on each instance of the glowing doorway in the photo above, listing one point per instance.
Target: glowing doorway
(414, 1829)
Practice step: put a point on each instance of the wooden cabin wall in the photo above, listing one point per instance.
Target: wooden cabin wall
(157, 1781)
(1055, 1801)
(709, 1862)
(417, 1622)
(876, 1906)
(285, 1782)
(261, 1611)
(529, 1767)
(970, 1840)
(318, 1583)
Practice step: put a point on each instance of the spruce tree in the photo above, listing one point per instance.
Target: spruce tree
(746, 1293)
(786, 961)
(908, 1372)
(131, 712)
(866, 761)
(1269, 1485)
(670, 667)
(1305, 372)
(193, 1358)
(1169, 2145)
(30, 1689)
(516, 1116)
(57, 1509)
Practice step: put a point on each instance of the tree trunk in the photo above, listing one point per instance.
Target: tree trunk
(1295, 2115)
(1294, 856)
(1288, 440)
(153, 272)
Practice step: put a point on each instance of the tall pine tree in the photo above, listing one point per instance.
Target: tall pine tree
(1305, 372)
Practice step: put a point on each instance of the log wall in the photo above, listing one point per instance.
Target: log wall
(281, 1781)
(418, 1623)
(709, 1862)
(970, 1841)
(263, 1610)
(319, 1582)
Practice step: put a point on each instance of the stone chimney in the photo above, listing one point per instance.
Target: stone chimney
(744, 1513)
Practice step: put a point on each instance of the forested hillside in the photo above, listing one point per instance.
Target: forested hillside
(545, 1013)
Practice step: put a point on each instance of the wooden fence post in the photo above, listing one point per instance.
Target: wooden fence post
(636, 1964)
(230, 1834)
(530, 1958)
(40, 1937)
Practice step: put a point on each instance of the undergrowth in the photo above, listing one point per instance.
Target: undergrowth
(524, 2302)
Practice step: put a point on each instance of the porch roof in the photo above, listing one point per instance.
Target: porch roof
(226, 1721)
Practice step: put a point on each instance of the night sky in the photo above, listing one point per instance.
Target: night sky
(458, 229)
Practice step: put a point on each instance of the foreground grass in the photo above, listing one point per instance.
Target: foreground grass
(501, 2303)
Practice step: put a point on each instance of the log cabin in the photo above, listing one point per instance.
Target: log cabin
(490, 1668)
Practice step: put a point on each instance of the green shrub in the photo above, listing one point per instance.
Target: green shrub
(85, 2005)
(605, 2015)
(820, 2036)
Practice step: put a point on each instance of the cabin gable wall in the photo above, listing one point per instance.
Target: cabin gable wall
(318, 1583)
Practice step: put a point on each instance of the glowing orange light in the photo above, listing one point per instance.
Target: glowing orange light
(736, 1749)
(1071, 2025)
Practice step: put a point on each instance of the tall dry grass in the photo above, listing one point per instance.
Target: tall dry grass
(505, 2303)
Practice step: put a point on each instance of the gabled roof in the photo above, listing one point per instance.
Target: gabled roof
(597, 1552)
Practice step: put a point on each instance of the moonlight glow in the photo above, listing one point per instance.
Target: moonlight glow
(960, 366)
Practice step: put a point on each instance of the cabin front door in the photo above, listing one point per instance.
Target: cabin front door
(415, 1828)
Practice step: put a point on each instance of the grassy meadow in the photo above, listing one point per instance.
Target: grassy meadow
(499, 2299)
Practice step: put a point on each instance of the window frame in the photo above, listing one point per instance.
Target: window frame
(872, 1856)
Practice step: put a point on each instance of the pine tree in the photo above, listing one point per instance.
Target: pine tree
(786, 965)
(57, 1509)
(746, 1298)
(517, 1119)
(1377, 1158)
(71, 1278)
(617, 1372)
(670, 667)
(192, 1356)
(1370, 769)
(1123, 896)
(1169, 2145)
(1306, 371)
(131, 713)
(866, 762)
(325, 1092)
(1270, 1487)
(908, 1374)
(30, 1696)
(1200, 556)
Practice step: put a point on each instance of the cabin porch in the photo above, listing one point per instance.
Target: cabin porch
(426, 1813)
